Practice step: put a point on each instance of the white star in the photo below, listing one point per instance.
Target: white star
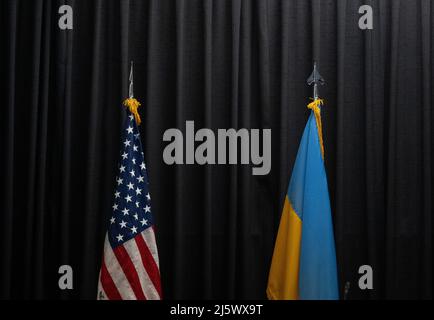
(122, 169)
(117, 194)
(125, 211)
(130, 186)
(136, 216)
(134, 160)
(132, 173)
(124, 155)
(137, 135)
(112, 220)
(147, 208)
(127, 143)
(115, 207)
(128, 198)
(131, 117)
(123, 224)
(148, 196)
(138, 191)
(119, 181)
(137, 204)
(144, 222)
(130, 129)
(140, 178)
(120, 238)
(142, 166)
(135, 148)
(134, 230)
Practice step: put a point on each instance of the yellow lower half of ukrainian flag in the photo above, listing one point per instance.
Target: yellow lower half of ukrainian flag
(283, 277)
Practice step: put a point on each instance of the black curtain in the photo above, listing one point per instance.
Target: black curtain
(223, 64)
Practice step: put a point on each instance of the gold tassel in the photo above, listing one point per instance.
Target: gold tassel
(314, 106)
(133, 105)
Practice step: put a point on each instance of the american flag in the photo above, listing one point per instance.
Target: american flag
(130, 266)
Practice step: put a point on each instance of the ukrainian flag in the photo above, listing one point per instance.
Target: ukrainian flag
(304, 258)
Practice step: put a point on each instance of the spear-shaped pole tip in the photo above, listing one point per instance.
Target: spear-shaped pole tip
(314, 79)
(131, 89)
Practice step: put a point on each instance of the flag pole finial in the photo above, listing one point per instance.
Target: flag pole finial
(131, 89)
(131, 102)
(314, 79)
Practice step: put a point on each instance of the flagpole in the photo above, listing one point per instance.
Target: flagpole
(314, 79)
(131, 102)
(131, 79)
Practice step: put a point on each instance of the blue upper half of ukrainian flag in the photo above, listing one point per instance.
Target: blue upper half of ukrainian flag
(304, 258)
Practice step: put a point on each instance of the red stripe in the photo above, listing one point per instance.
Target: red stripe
(149, 263)
(129, 271)
(108, 285)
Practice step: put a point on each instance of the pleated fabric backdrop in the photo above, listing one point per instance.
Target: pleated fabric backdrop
(223, 64)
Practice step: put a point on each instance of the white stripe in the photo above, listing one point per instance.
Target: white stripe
(101, 295)
(149, 236)
(116, 272)
(146, 283)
